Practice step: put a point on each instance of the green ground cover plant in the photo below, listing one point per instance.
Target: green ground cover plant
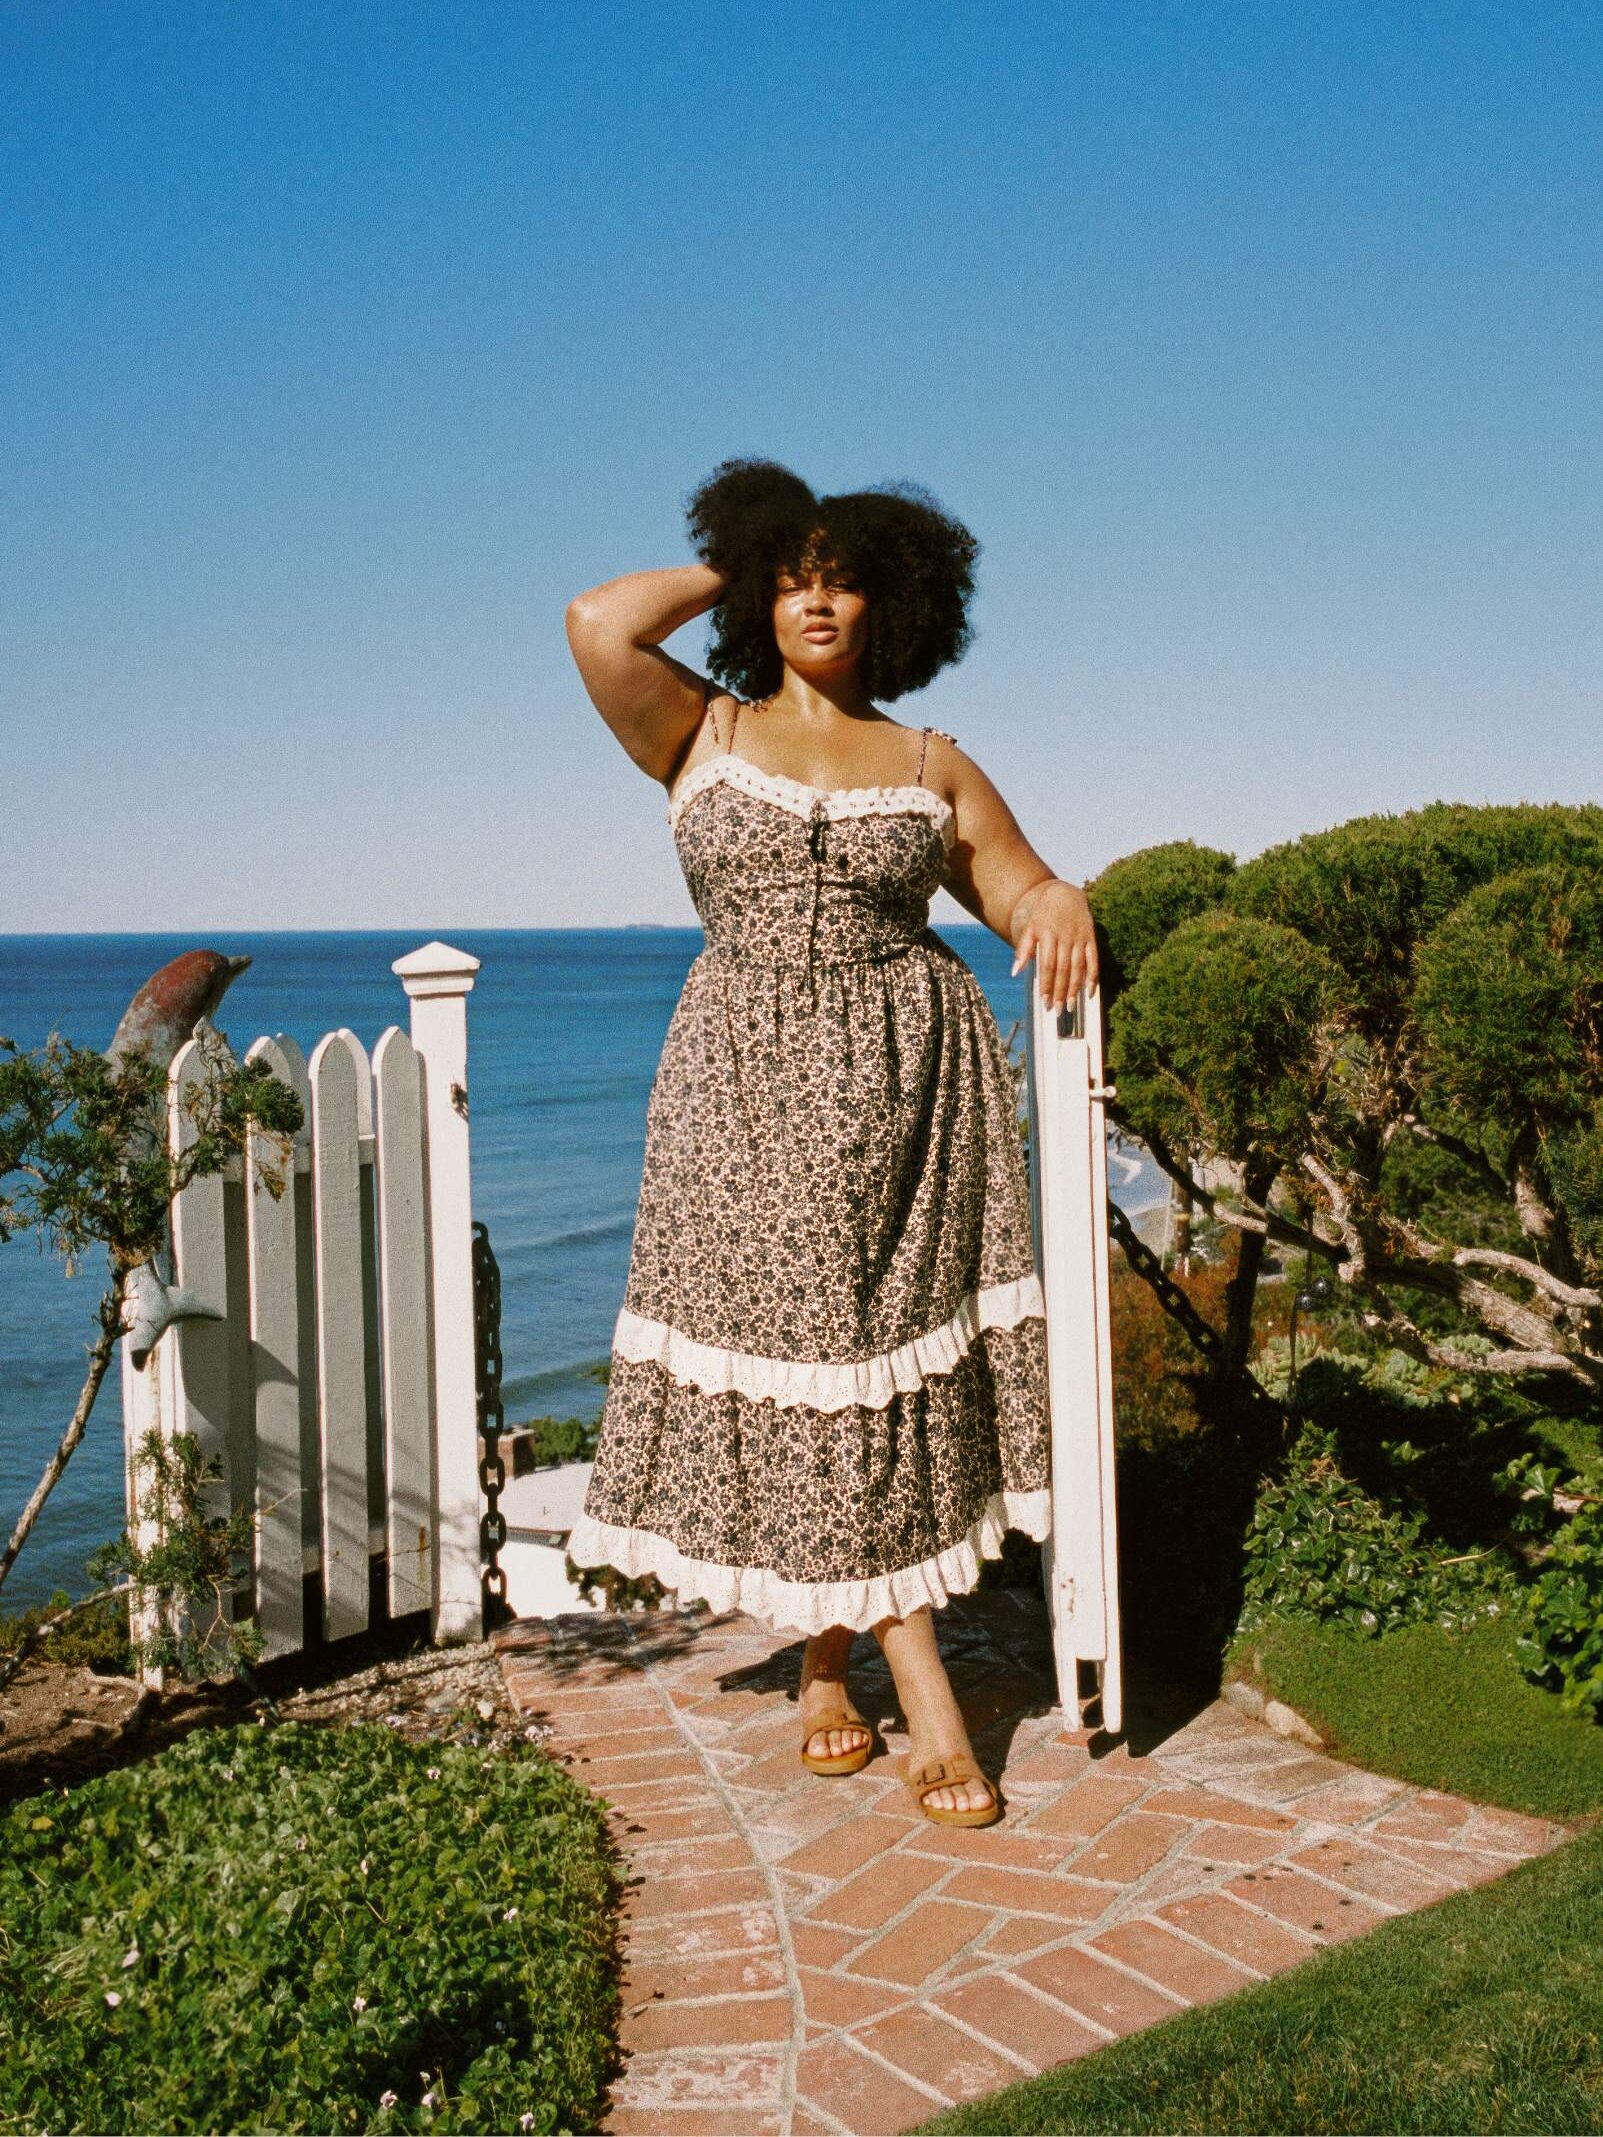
(295, 1928)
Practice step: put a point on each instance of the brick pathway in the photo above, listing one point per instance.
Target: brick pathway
(806, 1954)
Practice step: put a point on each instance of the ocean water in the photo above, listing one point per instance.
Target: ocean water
(565, 1026)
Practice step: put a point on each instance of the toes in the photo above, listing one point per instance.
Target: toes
(836, 1743)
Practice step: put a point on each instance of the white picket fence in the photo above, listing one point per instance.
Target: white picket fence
(339, 1391)
(1069, 1210)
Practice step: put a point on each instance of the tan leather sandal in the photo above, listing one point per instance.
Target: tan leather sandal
(846, 1761)
(923, 1781)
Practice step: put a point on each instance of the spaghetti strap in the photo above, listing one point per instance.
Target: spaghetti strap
(709, 713)
(927, 732)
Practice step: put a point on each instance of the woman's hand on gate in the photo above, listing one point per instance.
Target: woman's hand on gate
(1053, 924)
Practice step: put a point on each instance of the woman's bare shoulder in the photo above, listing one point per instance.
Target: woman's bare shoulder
(945, 764)
(710, 737)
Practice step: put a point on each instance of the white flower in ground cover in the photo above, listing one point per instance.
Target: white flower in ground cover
(113, 1998)
(130, 1957)
(358, 2003)
(388, 2099)
(434, 1773)
(511, 1915)
(525, 2122)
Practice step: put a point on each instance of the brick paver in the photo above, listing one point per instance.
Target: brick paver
(803, 1953)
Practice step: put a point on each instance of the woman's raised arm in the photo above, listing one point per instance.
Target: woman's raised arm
(652, 702)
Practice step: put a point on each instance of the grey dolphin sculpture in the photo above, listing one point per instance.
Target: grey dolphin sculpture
(156, 1023)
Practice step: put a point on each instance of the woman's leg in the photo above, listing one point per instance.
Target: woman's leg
(934, 1722)
(823, 1686)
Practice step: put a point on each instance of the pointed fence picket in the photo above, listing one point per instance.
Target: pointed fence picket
(338, 1390)
(274, 1227)
(404, 1285)
(1069, 1213)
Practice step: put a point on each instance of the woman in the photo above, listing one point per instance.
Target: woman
(827, 1401)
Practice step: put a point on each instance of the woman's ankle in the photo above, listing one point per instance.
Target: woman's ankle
(825, 1656)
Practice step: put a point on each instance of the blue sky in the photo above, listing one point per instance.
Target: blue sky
(1261, 346)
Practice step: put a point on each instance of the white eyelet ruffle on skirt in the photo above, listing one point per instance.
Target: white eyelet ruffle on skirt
(828, 1384)
(812, 1606)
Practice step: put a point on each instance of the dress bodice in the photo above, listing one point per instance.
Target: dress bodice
(781, 872)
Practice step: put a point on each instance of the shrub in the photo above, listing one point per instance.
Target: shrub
(1562, 1646)
(1155, 1367)
(1369, 891)
(559, 1439)
(96, 1638)
(1223, 1043)
(296, 1928)
(1141, 899)
(1321, 1547)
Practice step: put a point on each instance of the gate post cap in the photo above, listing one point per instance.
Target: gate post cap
(436, 968)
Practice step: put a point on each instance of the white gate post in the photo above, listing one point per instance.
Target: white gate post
(147, 1403)
(1069, 1208)
(438, 980)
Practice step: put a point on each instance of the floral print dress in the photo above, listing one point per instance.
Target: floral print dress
(828, 1394)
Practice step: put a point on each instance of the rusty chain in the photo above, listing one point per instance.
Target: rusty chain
(492, 1465)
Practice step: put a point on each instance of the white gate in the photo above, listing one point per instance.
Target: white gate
(338, 1390)
(1069, 1211)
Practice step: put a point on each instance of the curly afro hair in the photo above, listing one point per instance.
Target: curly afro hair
(753, 519)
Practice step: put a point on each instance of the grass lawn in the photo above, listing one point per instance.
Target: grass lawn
(1445, 1709)
(1482, 2013)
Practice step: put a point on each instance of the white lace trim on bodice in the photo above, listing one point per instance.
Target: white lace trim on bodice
(799, 798)
(810, 1606)
(828, 1384)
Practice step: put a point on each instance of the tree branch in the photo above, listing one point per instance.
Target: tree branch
(110, 1312)
(31, 1639)
(1251, 1218)
(1455, 1146)
(1529, 1272)
(1355, 1268)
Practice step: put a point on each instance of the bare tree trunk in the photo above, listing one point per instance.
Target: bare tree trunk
(1182, 1206)
(1242, 1290)
(110, 1313)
